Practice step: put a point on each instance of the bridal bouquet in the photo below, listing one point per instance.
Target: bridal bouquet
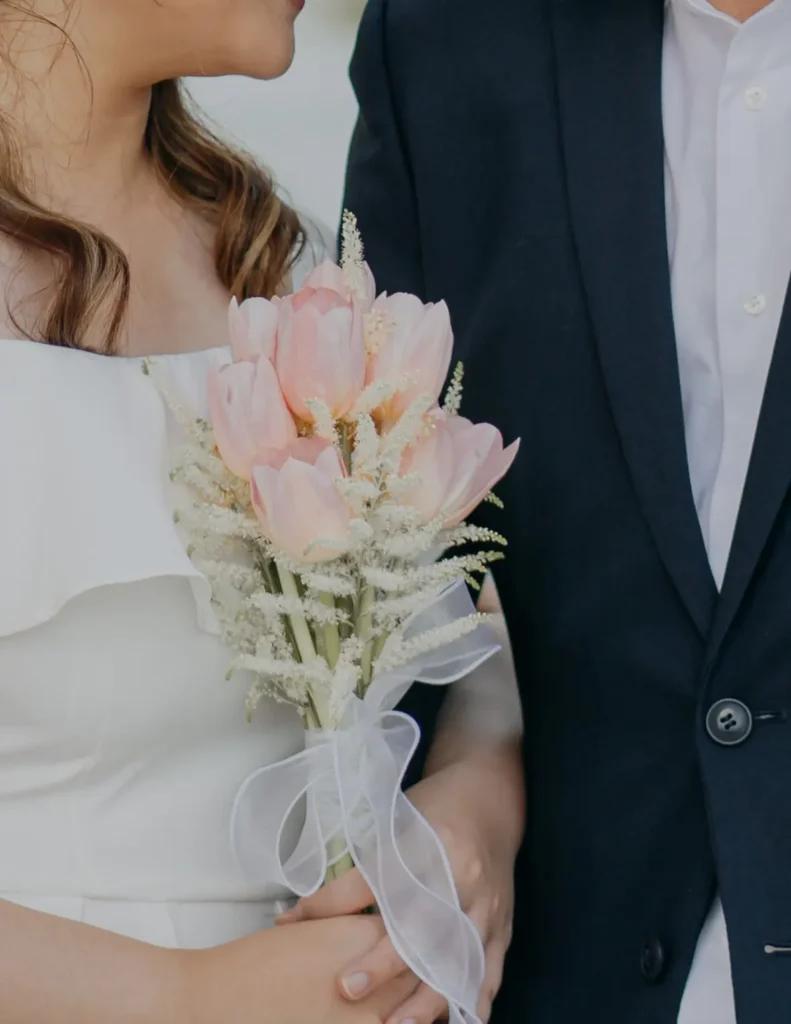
(327, 484)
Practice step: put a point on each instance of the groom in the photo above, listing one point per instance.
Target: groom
(601, 190)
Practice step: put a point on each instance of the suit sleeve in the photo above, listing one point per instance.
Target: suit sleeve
(379, 181)
(380, 192)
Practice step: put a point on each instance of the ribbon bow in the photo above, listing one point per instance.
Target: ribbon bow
(346, 788)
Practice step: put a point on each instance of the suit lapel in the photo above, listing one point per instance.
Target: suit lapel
(609, 61)
(767, 485)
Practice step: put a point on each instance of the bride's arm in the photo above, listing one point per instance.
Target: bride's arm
(58, 971)
(54, 971)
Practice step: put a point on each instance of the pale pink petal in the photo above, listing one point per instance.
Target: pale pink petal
(253, 329)
(329, 462)
(270, 458)
(296, 353)
(433, 344)
(496, 468)
(272, 425)
(328, 275)
(229, 390)
(303, 449)
(431, 462)
(416, 353)
(367, 288)
(473, 445)
(307, 508)
(320, 354)
(263, 485)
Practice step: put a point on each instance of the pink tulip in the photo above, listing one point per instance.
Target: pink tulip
(418, 347)
(329, 275)
(297, 500)
(248, 413)
(457, 463)
(320, 351)
(253, 329)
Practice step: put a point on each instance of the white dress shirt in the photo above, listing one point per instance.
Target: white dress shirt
(727, 120)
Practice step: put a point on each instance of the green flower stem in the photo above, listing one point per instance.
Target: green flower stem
(341, 866)
(365, 621)
(303, 638)
(379, 644)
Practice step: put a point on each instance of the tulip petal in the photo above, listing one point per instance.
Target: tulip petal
(308, 508)
(320, 352)
(416, 353)
(252, 329)
(229, 390)
(272, 425)
(431, 462)
(491, 474)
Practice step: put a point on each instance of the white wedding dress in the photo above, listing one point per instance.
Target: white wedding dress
(122, 744)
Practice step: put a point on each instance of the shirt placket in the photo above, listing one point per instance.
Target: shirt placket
(744, 303)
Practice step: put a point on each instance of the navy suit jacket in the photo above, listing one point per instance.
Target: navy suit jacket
(509, 159)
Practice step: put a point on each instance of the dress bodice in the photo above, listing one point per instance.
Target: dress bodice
(122, 744)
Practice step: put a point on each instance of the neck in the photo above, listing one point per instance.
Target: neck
(742, 10)
(81, 127)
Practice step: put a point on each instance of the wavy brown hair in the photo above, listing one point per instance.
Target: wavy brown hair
(257, 236)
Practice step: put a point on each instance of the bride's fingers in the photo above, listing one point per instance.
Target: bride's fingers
(348, 894)
(495, 959)
(381, 965)
(424, 1007)
(387, 1000)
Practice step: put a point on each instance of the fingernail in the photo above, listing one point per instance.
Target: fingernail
(411, 1020)
(355, 985)
(290, 916)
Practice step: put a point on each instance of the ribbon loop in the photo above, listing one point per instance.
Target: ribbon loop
(344, 792)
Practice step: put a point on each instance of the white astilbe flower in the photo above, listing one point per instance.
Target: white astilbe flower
(409, 429)
(352, 256)
(452, 403)
(214, 520)
(373, 396)
(399, 651)
(365, 457)
(346, 678)
(323, 423)
(468, 534)
(337, 584)
(311, 608)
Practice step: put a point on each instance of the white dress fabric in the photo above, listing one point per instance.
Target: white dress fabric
(122, 744)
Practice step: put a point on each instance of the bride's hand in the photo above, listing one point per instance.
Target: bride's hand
(481, 848)
(288, 975)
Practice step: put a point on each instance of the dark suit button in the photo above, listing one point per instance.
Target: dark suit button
(652, 960)
(729, 722)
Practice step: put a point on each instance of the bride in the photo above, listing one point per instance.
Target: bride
(124, 230)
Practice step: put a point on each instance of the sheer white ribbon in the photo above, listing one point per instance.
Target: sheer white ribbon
(346, 787)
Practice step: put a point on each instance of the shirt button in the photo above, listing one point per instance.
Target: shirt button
(755, 304)
(729, 722)
(755, 98)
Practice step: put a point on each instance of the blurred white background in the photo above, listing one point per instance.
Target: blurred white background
(300, 125)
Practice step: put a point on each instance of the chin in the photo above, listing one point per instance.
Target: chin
(267, 65)
(260, 47)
